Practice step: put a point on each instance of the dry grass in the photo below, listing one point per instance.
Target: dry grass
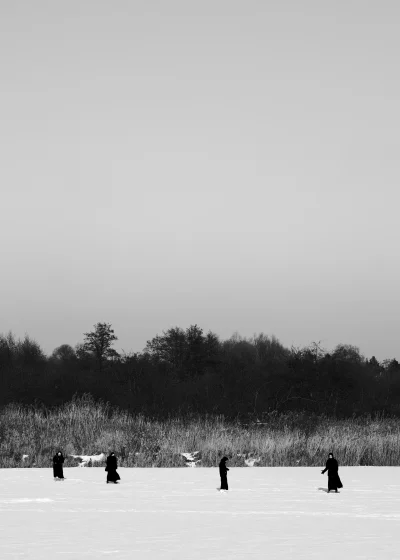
(85, 427)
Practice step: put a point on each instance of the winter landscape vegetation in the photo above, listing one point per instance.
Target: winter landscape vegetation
(187, 392)
(186, 401)
(184, 170)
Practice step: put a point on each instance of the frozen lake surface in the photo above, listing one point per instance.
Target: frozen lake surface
(273, 513)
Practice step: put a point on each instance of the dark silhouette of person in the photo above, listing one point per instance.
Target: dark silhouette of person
(58, 461)
(111, 468)
(223, 470)
(332, 466)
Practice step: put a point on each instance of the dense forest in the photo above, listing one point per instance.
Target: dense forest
(183, 372)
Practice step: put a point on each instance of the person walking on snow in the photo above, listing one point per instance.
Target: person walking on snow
(111, 468)
(223, 470)
(58, 461)
(332, 466)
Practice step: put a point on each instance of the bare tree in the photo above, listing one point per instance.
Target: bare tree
(99, 342)
(63, 354)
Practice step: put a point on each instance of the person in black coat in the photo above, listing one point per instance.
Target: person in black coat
(58, 461)
(111, 468)
(332, 466)
(223, 470)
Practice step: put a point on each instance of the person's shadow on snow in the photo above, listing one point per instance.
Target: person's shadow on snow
(323, 489)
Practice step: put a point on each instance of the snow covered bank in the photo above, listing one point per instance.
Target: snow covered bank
(274, 513)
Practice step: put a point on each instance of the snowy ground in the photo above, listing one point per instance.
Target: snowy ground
(268, 513)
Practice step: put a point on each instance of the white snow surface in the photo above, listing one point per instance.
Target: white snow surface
(268, 513)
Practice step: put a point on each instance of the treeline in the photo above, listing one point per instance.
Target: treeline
(187, 371)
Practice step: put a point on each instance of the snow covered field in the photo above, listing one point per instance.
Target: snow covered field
(271, 513)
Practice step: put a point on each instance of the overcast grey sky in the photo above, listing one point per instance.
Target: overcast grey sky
(233, 164)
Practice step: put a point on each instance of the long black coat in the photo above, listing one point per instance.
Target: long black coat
(58, 461)
(111, 468)
(334, 482)
(223, 470)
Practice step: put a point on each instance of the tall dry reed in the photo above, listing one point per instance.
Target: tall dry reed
(84, 426)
